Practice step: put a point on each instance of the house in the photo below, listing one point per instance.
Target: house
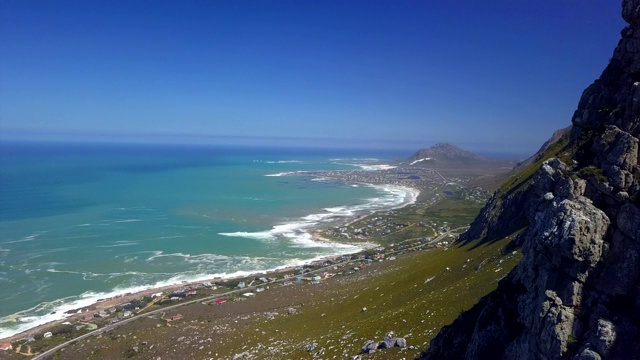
(158, 294)
(6, 347)
(127, 313)
(242, 285)
(176, 317)
(220, 301)
(191, 292)
(87, 316)
(48, 334)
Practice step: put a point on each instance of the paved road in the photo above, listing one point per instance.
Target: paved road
(217, 296)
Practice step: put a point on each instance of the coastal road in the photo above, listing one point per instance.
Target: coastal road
(113, 326)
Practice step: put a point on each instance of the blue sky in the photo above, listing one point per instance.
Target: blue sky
(499, 75)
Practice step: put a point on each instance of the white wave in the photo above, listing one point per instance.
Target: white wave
(261, 235)
(47, 312)
(26, 238)
(419, 160)
(282, 173)
(374, 167)
(128, 220)
(299, 232)
(353, 159)
(118, 244)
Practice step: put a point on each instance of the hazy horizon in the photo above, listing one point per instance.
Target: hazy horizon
(498, 77)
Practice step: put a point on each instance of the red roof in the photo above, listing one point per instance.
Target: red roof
(176, 317)
(6, 346)
(221, 301)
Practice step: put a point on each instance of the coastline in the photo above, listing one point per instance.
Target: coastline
(410, 196)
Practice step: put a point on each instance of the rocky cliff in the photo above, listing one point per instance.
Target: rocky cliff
(576, 292)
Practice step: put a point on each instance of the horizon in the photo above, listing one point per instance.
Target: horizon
(497, 78)
(323, 145)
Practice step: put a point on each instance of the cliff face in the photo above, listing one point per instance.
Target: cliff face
(576, 292)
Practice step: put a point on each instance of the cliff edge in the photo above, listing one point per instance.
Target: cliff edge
(576, 292)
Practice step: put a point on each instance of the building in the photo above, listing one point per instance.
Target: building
(176, 317)
(6, 347)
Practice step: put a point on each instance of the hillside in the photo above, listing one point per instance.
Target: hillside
(575, 293)
(443, 155)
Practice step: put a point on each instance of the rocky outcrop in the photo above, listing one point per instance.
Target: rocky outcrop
(576, 292)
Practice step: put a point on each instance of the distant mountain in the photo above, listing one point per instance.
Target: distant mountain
(442, 155)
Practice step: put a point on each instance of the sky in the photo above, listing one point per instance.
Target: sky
(498, 75)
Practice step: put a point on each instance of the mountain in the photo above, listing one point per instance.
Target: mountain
(575, 208)
(443, 155)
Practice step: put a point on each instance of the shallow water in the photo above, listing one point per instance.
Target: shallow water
(82, 222)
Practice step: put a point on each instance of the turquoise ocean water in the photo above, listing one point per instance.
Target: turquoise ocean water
(83, 222)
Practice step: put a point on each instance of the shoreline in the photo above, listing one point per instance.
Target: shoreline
(113, 301)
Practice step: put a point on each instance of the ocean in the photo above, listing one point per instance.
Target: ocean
(81, 222)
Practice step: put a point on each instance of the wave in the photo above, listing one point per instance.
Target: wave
(119, 244)
(374, 167)
(353, 159)
(59, 309)
(283, 173)
(299, 232)
(26, 238)
(280, 161)
(128, 220)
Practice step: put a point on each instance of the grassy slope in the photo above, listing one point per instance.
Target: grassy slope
(395, 293)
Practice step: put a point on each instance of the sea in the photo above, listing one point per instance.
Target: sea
(82, 222)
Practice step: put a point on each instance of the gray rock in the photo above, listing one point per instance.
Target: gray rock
(243, 355)
(369, 347)
(575, 292)
(588, 355)
(605, 336)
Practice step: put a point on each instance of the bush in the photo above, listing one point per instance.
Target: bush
(593, 171)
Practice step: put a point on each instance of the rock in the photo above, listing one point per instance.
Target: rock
(588, 355)
(575, 293)
(369, 347)
(311, 347)
(401, 342)
(605, 336)
(291, 311)
(243, 355)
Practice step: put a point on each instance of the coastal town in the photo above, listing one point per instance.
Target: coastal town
(96, 319)
(386, 235)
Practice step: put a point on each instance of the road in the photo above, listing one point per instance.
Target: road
(110, 327)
